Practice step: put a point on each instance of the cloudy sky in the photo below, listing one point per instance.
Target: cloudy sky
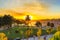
(38, 9)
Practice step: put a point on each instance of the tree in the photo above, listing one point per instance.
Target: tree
(49, 29)
(27, 19)
(38, 24)
(52, 25)
(7, 19)
(19, 22)
(1, 21)
(48, 24)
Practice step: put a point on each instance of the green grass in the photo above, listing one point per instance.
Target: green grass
(11, 32)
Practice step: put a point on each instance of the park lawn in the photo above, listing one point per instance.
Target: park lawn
(21, 32)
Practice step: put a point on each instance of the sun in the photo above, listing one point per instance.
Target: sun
(31, 17)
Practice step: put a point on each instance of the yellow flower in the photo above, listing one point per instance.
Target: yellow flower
(58, 28)
(39, 32)
(56, 36)
(28, 33)
(3, 36)
(49, 30)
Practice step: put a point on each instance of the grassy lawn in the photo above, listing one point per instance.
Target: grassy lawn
(12, 33)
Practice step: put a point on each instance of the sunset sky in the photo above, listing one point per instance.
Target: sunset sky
(37, 9)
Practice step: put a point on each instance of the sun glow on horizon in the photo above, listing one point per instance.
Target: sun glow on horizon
(37, 9)
(31, 17)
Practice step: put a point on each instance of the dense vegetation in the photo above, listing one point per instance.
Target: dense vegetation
(21, 32)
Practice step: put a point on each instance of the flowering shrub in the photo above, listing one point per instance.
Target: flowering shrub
(58, 28)
(39, 32)
(49, 30)
(56, 36)
(28, 33)
(3, 36)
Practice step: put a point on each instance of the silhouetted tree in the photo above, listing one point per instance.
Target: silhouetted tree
(19, 22)
(27, 19)
(48, 24)
(38, 24)
(52, 25)
(7, 19)
(1, 21)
